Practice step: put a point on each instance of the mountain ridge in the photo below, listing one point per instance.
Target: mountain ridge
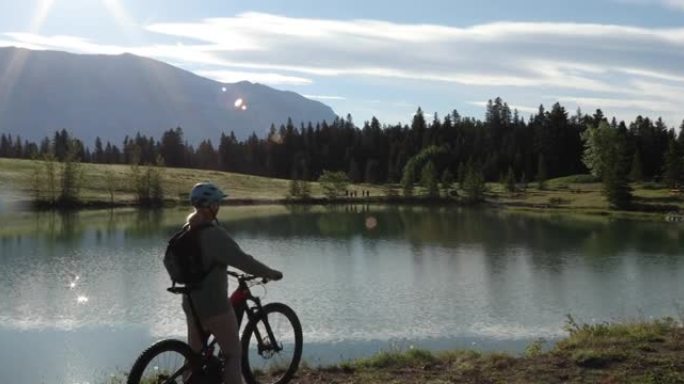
(113, 96)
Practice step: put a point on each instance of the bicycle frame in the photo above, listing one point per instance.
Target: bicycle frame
(205, 363)
(239, 299)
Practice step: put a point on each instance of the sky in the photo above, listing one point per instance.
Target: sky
(387, 58)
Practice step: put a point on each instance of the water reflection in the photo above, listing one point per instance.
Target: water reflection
(546, 238)
(357, 275)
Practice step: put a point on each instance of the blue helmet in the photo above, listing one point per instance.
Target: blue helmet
(205, 193)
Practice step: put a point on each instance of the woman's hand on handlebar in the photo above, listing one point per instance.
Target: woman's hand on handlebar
(272, 275)
(275, 275)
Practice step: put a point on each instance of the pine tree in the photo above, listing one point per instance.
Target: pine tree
(447, 180)
(172, 148)
(18, 148)
(672, 171)
(354, 172)
(206, 156)
(615, 182)
(428, 179)
(5, 146)
(407, 178)
(98, 156)
(372, 171)
(523, 181)
(509, 180)
(541, 172)
(44, 147)
(413, 138)
(60, 144)
(460, 174)
(636, 172)
(474, 184)
(598, 141)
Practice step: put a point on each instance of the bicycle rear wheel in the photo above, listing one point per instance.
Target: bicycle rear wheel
(266, 361)
(168, 361)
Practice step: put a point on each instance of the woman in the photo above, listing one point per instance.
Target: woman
(211, 299)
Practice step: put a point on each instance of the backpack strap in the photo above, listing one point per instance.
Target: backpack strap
(198, 228)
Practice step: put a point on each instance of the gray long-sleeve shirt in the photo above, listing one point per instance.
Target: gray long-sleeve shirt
(220, 250)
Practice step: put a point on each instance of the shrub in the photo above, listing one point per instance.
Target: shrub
(333, 183)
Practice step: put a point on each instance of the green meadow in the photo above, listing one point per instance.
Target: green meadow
(580, 194)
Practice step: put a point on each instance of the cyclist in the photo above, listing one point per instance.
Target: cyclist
(210, 299)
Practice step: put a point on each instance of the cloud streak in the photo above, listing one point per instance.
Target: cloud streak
(676, 4)
(325, 97)
(255, 77)
(587, 62)
(671, 4)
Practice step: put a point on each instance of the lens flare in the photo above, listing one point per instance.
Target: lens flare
(275, 138)
(371, 223)
(223, 89)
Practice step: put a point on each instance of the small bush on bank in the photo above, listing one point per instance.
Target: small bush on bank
(412, 357)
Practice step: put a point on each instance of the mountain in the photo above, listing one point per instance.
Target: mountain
(112, 96)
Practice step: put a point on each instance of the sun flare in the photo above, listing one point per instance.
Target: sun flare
(117, 11)
(42, 12)
(113, 7)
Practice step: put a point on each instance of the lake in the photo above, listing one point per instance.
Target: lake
(84, 293)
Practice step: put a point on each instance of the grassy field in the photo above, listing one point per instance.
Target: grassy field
(16, 183)
(582, 195)
(574, 194)
(621, 353)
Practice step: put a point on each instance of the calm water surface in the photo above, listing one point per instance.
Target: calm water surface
(83, 294)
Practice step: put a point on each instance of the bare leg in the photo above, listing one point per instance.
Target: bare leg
(224, 327)
(194, 339)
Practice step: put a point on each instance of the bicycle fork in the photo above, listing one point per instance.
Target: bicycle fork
(239, 302)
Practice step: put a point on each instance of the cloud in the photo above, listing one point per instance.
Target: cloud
(496, 54)
(671, 4)
(676, 4)
(619, 104)
(255, 77)
(588, 62)
(324, 97)
(520, 108)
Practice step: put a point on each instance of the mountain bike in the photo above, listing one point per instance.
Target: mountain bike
(271, 345)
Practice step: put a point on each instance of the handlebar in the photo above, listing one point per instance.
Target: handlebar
(241, 277)
(245, 277)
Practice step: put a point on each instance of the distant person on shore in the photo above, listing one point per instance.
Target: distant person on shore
(210, 299)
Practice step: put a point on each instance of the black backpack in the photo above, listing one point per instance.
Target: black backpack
(183, 256)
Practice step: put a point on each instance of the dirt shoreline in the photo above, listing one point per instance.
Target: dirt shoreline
(644, 353)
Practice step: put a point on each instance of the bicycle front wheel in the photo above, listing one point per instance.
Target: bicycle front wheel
(272, 345)
(168, 361)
